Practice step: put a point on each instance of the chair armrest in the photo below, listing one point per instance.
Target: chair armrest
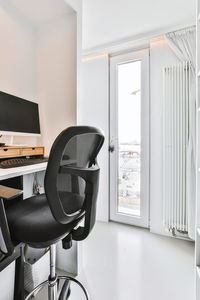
(91, 177)
(88, 174)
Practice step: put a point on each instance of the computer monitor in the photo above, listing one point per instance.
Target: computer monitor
(18, 116)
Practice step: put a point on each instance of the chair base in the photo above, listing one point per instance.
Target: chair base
(65, 291)
(54, 281)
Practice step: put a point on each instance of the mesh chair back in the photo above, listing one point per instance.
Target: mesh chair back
(73, 174)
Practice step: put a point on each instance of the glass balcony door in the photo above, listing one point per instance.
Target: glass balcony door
(129, 138)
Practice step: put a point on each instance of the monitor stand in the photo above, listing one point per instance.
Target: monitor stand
(11, 143)
(2, 144)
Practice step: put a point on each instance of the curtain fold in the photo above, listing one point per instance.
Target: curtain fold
(183, 44)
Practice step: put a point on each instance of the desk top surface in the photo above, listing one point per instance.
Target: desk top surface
(19, 171)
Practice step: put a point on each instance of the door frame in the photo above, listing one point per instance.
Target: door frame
(143, 220)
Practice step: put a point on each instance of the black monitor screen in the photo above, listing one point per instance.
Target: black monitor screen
(18, 115)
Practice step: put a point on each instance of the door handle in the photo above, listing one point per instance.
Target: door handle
(111, 148)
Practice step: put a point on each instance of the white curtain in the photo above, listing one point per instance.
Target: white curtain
(183, 43)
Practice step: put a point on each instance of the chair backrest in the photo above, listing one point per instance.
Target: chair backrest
(72, 170)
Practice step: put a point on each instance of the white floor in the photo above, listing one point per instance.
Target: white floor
(128, 263)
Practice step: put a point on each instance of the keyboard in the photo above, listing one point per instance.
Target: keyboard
(20, 162)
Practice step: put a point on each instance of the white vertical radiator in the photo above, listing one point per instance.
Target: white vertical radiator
(176, 81)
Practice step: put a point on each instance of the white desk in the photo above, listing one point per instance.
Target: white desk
(21, 171)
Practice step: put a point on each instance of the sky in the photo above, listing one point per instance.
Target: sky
(129, 104)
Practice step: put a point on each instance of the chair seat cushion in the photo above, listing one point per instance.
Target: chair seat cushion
(31, 221)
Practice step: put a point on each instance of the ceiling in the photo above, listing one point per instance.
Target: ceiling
(37, 12)
(108, 21)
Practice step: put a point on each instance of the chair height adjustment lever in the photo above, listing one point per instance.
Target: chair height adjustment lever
(67, 242)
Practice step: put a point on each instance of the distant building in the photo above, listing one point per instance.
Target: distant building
(129, 170)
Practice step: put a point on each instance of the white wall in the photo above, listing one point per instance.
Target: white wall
(77, 6)
(17, 58)
(56, 77)
(109, 22)
(160, 55)
(93, 110)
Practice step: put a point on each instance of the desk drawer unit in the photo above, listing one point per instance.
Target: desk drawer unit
(32, 151)
(8, 152)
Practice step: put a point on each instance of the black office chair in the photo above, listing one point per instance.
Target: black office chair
(71, 188)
